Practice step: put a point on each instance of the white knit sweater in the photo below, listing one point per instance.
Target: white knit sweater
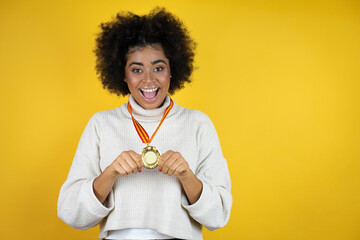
(149, 199)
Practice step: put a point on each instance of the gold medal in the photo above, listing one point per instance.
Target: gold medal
(150, 157)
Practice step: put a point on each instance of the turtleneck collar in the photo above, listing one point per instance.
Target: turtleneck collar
(149, 115)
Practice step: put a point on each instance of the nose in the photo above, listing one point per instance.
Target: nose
(148, 76)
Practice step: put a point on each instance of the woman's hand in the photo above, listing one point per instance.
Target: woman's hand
(126, 163)
(173, 163)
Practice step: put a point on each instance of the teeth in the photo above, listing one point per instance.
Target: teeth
(149, 89)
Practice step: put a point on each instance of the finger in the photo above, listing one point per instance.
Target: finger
(123, 171)
(168, 164)
(182, 170)
(124, 164)
(171, 161)
(131, 162)
(174, 166)
(119, 169)
(167, 154)
(134, 167)
(137, 159)
(163, 158)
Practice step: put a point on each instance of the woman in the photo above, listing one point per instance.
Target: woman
(147, 195)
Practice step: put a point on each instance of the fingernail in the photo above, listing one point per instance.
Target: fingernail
(159, 170)
(139, 171)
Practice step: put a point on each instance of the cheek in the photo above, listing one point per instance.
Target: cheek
(130, 80)
(165, 81)
(167, 86)
(130, 85)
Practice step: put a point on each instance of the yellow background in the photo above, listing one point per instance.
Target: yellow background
(279, 79)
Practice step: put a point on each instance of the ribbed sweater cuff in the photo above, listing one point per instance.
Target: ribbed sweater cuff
(201, 204)
(93, 204)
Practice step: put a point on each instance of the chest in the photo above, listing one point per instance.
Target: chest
(179, 136)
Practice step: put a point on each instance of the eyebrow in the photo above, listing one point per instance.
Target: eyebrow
(157, 61)
(136, 63)
(153, 63)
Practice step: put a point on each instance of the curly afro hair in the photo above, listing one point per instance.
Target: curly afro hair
(127, 31)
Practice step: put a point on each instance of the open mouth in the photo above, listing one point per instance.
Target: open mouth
(149, 93)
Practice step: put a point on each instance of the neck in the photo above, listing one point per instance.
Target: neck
(142, 113)
(161, 104)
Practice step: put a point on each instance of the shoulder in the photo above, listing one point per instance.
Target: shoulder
(112, 113)
(107, 116)
(202, 126)
(196, 116)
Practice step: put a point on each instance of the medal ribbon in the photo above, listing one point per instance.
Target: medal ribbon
(141, 131)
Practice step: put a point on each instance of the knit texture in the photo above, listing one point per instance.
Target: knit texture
(149, 199)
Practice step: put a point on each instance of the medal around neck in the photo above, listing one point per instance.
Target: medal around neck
(150, 156)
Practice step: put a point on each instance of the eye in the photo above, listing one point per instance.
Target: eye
(136, 70)
(158, 69)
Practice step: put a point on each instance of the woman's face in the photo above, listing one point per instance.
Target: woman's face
(147, 73)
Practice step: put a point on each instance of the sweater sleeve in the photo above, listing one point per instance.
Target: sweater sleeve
(77, 204)
(212, 209)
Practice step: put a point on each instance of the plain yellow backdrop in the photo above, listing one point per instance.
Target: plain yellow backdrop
(279, 79)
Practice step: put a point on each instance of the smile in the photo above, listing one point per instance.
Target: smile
(149, 93)
(149, 89)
